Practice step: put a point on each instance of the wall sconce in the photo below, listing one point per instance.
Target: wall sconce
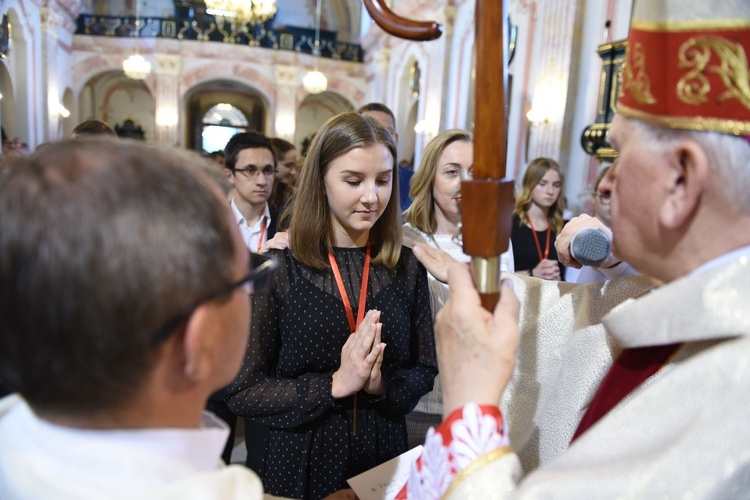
(550, 94)
(285, 125)
(62, 111)
(424, 127)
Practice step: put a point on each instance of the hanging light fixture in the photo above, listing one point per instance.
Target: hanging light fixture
(314, 81)
(241, 12)
(135, 66)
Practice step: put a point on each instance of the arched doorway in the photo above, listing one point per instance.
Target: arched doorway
(7, 103)
(222, 107)
(17, 119)
(314, 111)
(123, 103)
(69, 122)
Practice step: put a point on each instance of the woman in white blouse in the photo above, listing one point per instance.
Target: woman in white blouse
(433, 219)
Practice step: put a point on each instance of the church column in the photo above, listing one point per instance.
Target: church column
(285, 118)
(51, 120)
(376, 75)
(447, 17)
(552, 60)
(167, 100)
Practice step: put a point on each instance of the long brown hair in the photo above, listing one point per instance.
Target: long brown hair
(280, 193)
(534, 173)
(311, 233)
(421, 213)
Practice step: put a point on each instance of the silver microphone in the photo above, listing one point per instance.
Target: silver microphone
(590, 246)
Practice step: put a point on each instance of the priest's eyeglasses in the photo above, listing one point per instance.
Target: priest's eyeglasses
(605, 199)
(257, 281)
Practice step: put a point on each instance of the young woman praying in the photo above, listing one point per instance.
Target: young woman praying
(342, 347)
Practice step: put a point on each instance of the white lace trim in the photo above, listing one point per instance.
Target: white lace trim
(473, 434)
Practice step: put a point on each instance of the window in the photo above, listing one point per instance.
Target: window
(220, 123)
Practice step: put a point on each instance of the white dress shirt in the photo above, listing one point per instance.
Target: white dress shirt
(42, 460)
(256, 235)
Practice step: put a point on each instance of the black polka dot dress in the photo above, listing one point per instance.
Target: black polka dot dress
(296, 336)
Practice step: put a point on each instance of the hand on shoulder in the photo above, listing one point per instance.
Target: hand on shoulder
(280, 241)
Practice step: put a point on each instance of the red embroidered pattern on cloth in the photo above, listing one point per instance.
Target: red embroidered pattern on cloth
(467, 434)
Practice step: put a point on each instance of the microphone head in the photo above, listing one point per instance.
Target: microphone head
(590, 246)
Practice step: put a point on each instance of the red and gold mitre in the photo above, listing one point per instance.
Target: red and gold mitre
(687, 65)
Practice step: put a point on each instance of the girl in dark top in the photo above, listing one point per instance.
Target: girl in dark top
(287, 172)
(537, 220)
(342, 347)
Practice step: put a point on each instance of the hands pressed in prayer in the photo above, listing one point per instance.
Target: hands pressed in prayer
(361, 358)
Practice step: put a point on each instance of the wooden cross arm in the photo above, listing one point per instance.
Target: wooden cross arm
(400, 26)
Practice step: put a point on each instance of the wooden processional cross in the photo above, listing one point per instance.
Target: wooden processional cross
(487, 199)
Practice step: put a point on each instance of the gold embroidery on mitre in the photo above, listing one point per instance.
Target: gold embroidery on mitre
(639, 85)
(696, 53)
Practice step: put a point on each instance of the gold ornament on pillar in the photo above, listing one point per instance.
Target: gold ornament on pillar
(240, 13)
(135, 66)
(314, 81)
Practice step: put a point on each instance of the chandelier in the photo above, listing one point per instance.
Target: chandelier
(241, 12)
(135, 66)
(314, 81)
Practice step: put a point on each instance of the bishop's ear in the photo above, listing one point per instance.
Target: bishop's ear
(687, 179)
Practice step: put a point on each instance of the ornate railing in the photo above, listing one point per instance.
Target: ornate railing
(207, 29)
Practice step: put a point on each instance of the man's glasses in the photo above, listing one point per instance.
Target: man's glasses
(252, 172)
(605, 199)
(257, 281)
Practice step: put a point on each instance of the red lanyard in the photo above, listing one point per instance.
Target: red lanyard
(362, 291)
(536, 239)
(262, 233)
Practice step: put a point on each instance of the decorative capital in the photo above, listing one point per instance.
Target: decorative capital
(382, 59)
(167, 65)
(286, 76)
(527, 6)
(51, 20)
(447, 17)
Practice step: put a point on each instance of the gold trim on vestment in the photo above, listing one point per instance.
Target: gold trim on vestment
(694, 25)
(477, 464)
(700, 123)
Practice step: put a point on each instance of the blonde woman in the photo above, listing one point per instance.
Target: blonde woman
(537, 220)
(432, 219)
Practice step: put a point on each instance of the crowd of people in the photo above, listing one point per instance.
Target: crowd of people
(316, 300)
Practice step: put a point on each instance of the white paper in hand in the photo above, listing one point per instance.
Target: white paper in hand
(386, 480)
